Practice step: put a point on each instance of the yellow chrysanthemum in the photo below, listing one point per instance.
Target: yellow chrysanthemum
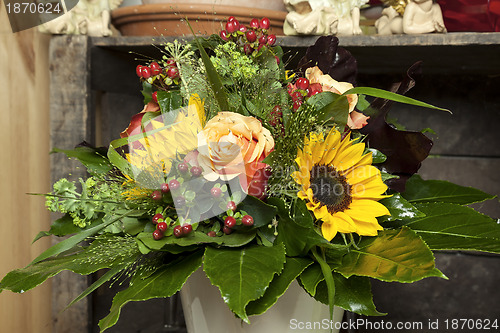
(166, 136)
(340, 185)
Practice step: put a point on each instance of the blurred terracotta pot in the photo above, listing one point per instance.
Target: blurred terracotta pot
(205, 18)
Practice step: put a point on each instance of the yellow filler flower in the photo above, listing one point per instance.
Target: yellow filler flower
(340, 185)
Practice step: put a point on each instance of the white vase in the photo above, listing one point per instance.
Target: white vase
(295, 311)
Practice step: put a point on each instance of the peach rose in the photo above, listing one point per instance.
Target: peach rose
(232, 145)
(356, 119)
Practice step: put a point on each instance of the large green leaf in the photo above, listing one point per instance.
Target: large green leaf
(169, 100)
(82, 262)
(399, 208)
(394, 255)
(94, 159)
(452, 227)
(261, 212)
(62, 227)
(165, 282)
(280, 283)
(243, 274)
(353, 294)
(419, 190)
(289, 231)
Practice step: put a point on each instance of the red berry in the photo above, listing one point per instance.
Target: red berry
(212, 233)
(138, 70)
(182, 167)
(146, 72)
(297, 104)
(178, 231)
(243, 28)
(196, 171)
(302, 83)
(247, 220)
(276, 116)
(263, 40)
(156, 195)
(155, 96)
(223, 35)
(231, 206)
(174, 184)
(187, 228)
(231, 18)
(180, 201)
(165, 188)
(247, 49)
(230, 222)
(254, 23)
(157, 234)
(251, 36)
(156, 217)
(227, 230)
(232, 26)
(171, 62)
(265, 23)
(173, 72)
(297, 96)
(277, 60)
(216, 192)
(271, 40)
(162, 226)
(314, 88)
(155, 68)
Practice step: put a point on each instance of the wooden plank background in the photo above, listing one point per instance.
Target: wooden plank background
(24, 168)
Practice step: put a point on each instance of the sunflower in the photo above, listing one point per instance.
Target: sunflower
(340, 185)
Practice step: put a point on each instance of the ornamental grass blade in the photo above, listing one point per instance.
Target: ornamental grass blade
(165, 282)
(453, 227)
(394, 255)
(243, 274)
(293, 268)
(419, 190)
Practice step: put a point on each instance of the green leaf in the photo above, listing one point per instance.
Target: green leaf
(452, 227)
(328, 276)
(390, 96)
(330, 106)
(74, 240)
(243, 274)
(393, 255)
(169, 100)
(399, 208)
(261, 212)
(147, 92)
(235, 239)
(353, 294)
(310, 278)
(213, 77)
(27, 278)
(419, 190)
(92, 158)
(118, 160)
(166, 281)
(293, 268)
(377, 156)
(288, 231)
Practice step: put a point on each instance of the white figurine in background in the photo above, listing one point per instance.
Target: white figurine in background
(422, 16)
(349, 14)
(88, 17)
(313, 17)
(323, 17)
(390, 23)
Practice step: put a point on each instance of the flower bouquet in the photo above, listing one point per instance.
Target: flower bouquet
(259, 175)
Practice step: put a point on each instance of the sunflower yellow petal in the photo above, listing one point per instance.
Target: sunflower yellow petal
(361, 174)
(368, 229)
(366, 209)
(348, 157)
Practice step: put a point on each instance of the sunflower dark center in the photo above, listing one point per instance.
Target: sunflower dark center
(330, 188)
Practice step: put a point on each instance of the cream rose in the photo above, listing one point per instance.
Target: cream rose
(232, 145)
(356, 119)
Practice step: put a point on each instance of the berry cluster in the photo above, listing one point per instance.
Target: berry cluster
(252, 38)
(234, 218)
(301, 90)
(162, 77)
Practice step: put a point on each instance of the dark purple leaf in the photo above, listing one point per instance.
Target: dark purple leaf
(405, 150)
(331, 59)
